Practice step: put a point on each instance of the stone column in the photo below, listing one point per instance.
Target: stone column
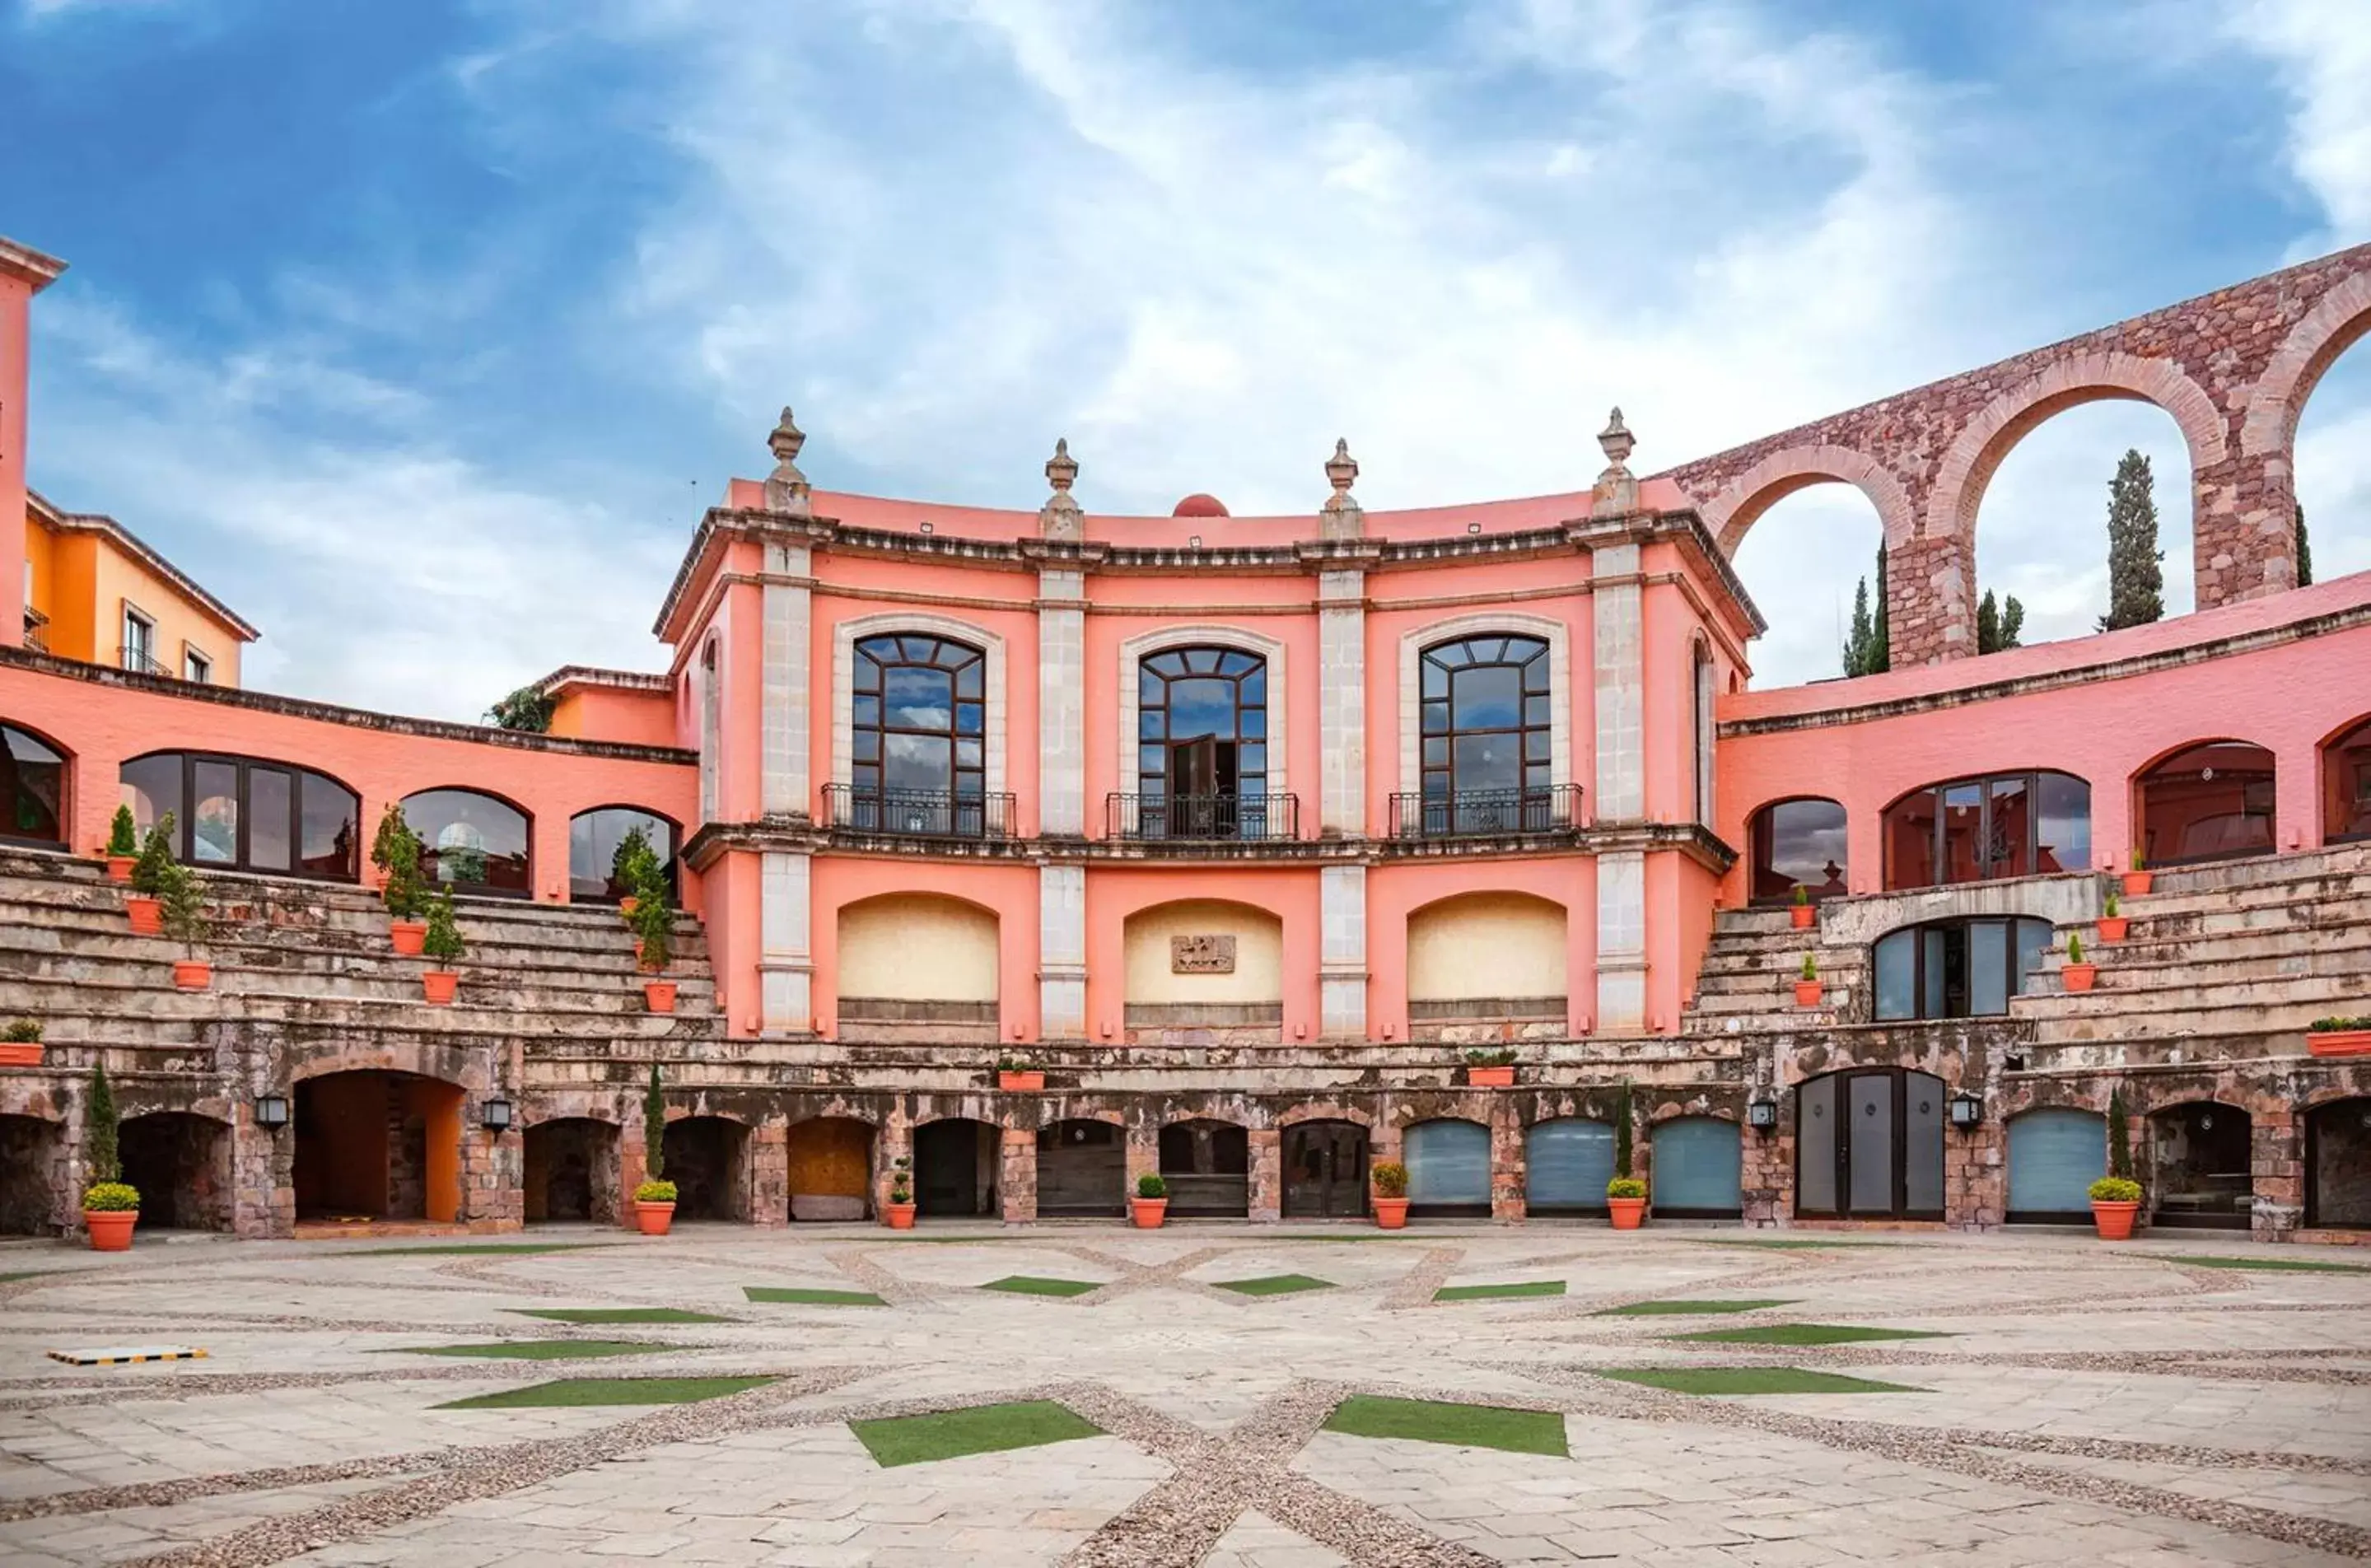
(1508, 1203)
(2277, 1166)
(1062, 952)
(786, 789)
(1929, 616)
(1265, 1175)
(1143, 1151)
(1017, 1182)
(769, 1173)
(1341, 662)
(1342, 952)
(1621, 942)
(1061, 662)
(1621, 781)
(786, 962)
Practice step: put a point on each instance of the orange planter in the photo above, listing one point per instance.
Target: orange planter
(1148, 1213)
(192, 974)
(147, 914)
(1627, 1212)
(409, 936)
(1390, 1213)
(2114, 1220)
(898, 1216)
(20, 1053)
(110, 1229)
(1802, 915)
(2338, 1043)
(1807, 993)
(2138, 883)
(659, 996)
(118, 867)
(652, 1219)
(1491, 1077)
(1024, 1083)
(2112, 926)
(439, 984)
(2079, 976)
(628, 905)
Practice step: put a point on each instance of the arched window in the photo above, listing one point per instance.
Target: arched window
(242, 813)
(1202, 745)
(470, 841)
(32, 788)
(1797, 844)
(2346, 786)
(1484, 725)
(597, 839)
(1957, 968)
(2002, 825)
(2210, 801)
(918, 736)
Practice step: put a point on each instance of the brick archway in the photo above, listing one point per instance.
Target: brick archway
(1743, 500)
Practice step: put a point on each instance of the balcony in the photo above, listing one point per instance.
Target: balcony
(1176, 819)
(37, 630)
(1485, 814)
(140, 663)
(918, 814)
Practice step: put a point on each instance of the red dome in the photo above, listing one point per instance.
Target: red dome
(1200, 505)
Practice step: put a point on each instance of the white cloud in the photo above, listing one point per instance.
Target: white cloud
(2322, 52)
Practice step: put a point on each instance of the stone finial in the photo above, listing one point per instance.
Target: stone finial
(1060, 517)
(786, 488)
(1342, 470)
(1341, 517)
(1617, 492)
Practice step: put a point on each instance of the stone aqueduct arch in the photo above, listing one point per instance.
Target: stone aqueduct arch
(2233, 368)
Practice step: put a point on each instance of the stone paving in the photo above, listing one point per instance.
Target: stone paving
(2091, 1405)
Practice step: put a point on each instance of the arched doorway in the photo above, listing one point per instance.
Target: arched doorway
(2055, 1155)
(1449, 1169)
(1325, 1170)
(707, 1159)
(1868, 1145)
(28, 1172)
(181, 1164)
(2201, 1157)
(2338, 1164)
(2346, 786)
(956, 1165)
(830, 1160)
(1082, 1170)
(1567, 1163)
(572, 1170)
(1208, 1167)
(2209, 801)
(32, 789)
(374, 1145)
(1698, 1170)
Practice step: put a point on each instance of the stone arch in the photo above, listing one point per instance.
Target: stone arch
(1323, 1111)
(881, 993)
(828, 1162)
(570, 1169)
(1487, 952)
(2334, 324)
(1741, 502)
(1206, 1161)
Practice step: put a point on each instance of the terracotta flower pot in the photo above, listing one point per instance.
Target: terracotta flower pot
(439, 984)
(110, 1229)
(1802, 915)
(1148, 1213)
(118, 867)
(379, 877)
(2079, 976)
(20, 1053)
(192, 974)
(2114, 1220)
(2338, 1043)
(409, 936)
(898, 1216)
(659, 996)
(147, 914)
(2138, 883)
(1020, 1083)
(2112, 926)
(1491, 1077)
(1808, 993)
(1390, 1213)
(628, 905)
(652, 1219)
(1627, 1212)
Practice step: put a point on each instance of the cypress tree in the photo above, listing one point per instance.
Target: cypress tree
(2012, 622)
(1856, 650)
(1866, 650)
(1621, 1131)
(2303, 551)
(1881, 637)
(1987, 624)
(2120, 1137)
(654, 1129)
(100, 1126)
(2135, 565)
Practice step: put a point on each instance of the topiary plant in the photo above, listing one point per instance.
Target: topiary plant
(901, 1180)
(1150, 1185)
(387, 842)
(100, 1125)
(124, 834)
(1810, 967)
(156, 862)
(444, 939)
(405, 894)
(2115, 1190)
(1626, 1187)
(2119, 1137)
(2339, 1024)
(655, 1126)
(182, 906)
(1390, 1180)
(1802, 894)
(2074, 948)
(1502, 1057)
(653, 925)
(635, 865)
(2113, 908)
(1621, 1131)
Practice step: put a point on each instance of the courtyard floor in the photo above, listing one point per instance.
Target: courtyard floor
(1220, 1395)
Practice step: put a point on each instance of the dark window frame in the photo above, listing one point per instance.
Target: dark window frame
(63, 810)
(1760, 840)
(2353, 736)
(1960, 925)
(242, 860)
(1899, 1142)
(2155, 772)
(1167, 666)
(666, 853)
(1438, 719)
(876, 656)
(432, 857)
(2314, 1132)
(1986, 785)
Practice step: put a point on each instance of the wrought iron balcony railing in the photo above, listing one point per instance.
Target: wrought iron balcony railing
(918, 813)
(140, 663)
(1477, 814)
(1251, 819)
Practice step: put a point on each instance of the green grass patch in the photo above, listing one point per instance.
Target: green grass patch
(1494, 1292)
(1750, 1380)
(2283, 1265)
(535, 1350)
(1686, 1309)
(1467, 1425)
(1276, 1285)
(799, 1296)
(618, 1315)
(983, 1429)
(475, 1249)
(1805, 1333)
(1031, 1284)
(567, 1391)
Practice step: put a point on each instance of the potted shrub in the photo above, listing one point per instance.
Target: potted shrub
(1625, 1196)
(2339, 1036)
(653, 925)
(1390, 1195)
(634, 865)
(2137, 880)
(182, 916)
(1019, 1077)
(20, 1043)
(1800, 912)
(122, 850)
(2113, 921)
(402, 890)
(2078, 974)
(386, 844)
(2116, 1198)
(1150, 1204)
(442, 942)
(144, 904)
(1490, 1069)
(1807, 984)
(654, 1199)
(110, 1208)
(898, 1212)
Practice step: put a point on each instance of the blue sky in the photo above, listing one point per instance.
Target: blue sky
(422, 333)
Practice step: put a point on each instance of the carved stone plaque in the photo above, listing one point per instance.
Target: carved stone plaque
(1202, 955)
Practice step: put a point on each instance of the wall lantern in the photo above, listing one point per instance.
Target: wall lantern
(496, 1114)
(1762, 1115)
(1967, 1109)
(271, 1111)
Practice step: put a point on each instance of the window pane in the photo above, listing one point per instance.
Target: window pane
(1868, 1106)
(867, 744)
(1151, 724)
(1251, 722)
(918, 762)
(2012, 827)
(2064, 828)
(1436, 682)
(1799, 842)
(1149, 688)
(596, 840)
(1252, 759)
(1897, 975)
(1487, 762)
(327, 848)
(967, 754)
(1198, 708)
(214, 817)
(270, 798)
(1436, 752)
(1938, 950)
(1436, 718)
(1535, 745)
(920, 699)
(1535, 711)
(1815, 1146)
(469, 840)
(1910, 841)
(865, 710)
(1487, 697)
(32, 787)
(971, 680)
(970, 718)
(1255, 686)
(1964, 813)
(152, 787)
(1988, 956)
(1922, 1143)
(2033, 940)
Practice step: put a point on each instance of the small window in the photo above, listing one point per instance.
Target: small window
(1956, 968)
(140, 643)
(197, 667)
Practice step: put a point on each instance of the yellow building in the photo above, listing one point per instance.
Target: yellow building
(94, 591)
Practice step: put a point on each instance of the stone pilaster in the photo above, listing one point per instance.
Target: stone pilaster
(1621, 942)
(1342, 952)
(1264, 1177)
(788, 603)
(769, 1173)
(1508, 1202)
(1621, 685)
(1062, 702)
(786, 959)
(1017, 1182)
(1062, 952)
(1342, 703)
